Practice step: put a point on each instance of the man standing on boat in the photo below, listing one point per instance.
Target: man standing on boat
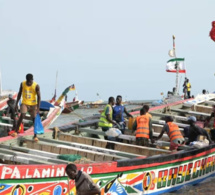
(143, 129)
(30, 92)
(172, 130)
(188, 85)
(106, 120)
(83, 182)
(118, 111)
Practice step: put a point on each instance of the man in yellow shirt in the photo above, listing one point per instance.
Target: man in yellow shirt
(30, 92)
(188, 85)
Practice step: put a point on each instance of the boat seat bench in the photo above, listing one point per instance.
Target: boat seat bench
(63, 149)
(141, 150)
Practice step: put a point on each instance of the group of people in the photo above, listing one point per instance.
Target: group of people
(112, 116)
(29, 90)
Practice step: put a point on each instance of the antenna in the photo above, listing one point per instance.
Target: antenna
(176, 66)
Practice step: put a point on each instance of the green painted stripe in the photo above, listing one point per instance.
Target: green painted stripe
(33, 180)
(176, 59)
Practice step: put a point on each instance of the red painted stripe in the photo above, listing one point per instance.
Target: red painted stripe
(162, 106)
(174, 71)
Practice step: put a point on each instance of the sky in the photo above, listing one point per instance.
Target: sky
(115, 47)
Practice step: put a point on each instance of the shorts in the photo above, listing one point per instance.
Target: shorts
(141, 141)
(31, 109)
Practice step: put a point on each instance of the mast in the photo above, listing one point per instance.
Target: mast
(176, 67)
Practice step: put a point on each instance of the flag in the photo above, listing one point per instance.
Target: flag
(212, 32)
(172, 53)
(172, 64)
(72, 87)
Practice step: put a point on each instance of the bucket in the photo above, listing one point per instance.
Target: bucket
(131, 122)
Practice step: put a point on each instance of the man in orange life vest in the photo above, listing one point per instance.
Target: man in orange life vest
(172, 130)
(30, 92)
(143, 129)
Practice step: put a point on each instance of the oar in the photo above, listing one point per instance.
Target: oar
(77, 114)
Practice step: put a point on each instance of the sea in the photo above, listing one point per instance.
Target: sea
(205, 188)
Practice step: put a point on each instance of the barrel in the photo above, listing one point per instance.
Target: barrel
(131, 122)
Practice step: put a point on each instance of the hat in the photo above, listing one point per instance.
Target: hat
(10, 96)
(191, 118)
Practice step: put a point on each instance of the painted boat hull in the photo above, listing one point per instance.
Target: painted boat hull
(140, 176)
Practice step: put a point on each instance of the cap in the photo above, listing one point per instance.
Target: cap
(191, 118)
(10, 96)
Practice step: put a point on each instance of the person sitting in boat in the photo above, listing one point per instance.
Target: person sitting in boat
(194, 131)
(118, 111)
(146, 107)
(172, 130)
(11, 103)
(142, 128)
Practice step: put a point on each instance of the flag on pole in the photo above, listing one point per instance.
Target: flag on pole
(172, 65)
(72, 87)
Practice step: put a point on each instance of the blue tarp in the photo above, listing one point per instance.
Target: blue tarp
(44, 105)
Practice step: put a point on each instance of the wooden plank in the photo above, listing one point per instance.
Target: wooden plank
(210, 103)
(190, 112)
(90, 156)
(119, 146)
(99, 158)
(46, 148)
(97, 143)
(64, 151)
(55, 149)
(201, 108)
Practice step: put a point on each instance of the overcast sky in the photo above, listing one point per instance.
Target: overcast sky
(115, 47)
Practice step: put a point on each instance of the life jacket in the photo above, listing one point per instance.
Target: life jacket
(29, 95)
(142, 126)
(103, 122)
(118, 111)
(174, 132)
(188, 86)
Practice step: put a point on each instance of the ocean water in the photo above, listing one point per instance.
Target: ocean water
(205, 188)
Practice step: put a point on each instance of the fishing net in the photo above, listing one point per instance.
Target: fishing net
(69, 157)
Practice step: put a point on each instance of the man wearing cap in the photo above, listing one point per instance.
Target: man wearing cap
(30, 92)
(174, 133)
(194, 131)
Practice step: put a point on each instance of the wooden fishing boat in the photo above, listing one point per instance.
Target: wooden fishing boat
(71, 106)
(36, 168)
